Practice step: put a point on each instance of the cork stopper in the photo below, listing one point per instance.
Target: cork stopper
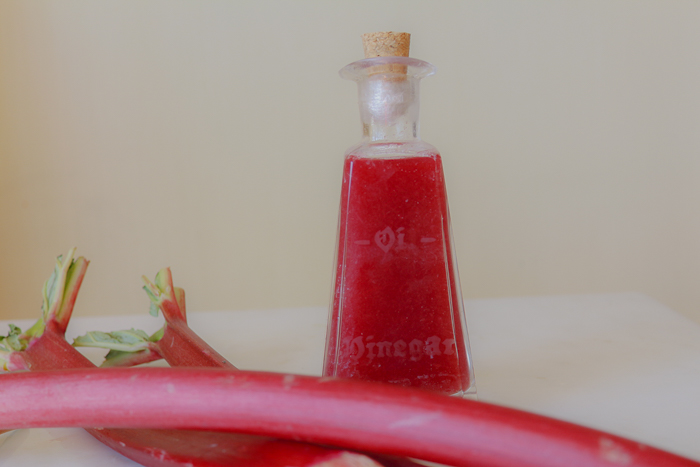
(386, 44)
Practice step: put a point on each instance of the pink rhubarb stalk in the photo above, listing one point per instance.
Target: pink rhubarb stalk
(43, 347)
(180, 346)
(175, 342)
(368, 416)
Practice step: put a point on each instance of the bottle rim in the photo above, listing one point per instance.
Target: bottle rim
(361, 69)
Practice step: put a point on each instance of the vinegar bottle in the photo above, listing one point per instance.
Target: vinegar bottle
(396, 314)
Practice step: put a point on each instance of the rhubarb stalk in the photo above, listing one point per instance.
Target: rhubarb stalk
(361, 415)
(180, 346)
(175, 342)
(43, 347)
(380, 418)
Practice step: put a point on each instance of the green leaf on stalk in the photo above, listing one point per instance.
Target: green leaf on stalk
(126, 348)
(117, 354)
(12, 342)
(164, 296)
(158, 335)
(117, 358)
(131, 340)
(49, 290)
(58, 297)
(163, 280)
(56, 304)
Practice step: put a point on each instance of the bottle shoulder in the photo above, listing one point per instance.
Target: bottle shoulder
(385, 149)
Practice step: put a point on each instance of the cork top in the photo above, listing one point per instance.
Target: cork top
(386, 44)
(386, 54)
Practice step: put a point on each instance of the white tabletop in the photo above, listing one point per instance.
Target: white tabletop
(622, 363)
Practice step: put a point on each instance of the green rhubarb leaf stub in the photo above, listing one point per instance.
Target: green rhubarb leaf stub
(130, 340)
(164, 296)
(12, 341)
(158, 335)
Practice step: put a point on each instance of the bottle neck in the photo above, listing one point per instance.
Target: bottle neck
(389, 107)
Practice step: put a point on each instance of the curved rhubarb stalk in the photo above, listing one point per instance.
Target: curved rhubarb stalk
(180, 346)
(213, 448)
(43, 347)
(361, 415)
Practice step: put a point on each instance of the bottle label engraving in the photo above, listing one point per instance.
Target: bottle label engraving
(366, 348)
(385, 239)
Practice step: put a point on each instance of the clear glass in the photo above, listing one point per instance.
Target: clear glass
(396, 314)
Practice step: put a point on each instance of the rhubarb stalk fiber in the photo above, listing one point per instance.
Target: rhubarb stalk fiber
(372, 417)
(43, 347)
(180, 346)
(368, 416)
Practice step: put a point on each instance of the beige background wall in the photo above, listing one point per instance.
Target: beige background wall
(208, 136)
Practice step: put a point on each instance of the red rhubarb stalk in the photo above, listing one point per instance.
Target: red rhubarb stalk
(180, 346)
(176, 342)
(43, 347)
(369, 416)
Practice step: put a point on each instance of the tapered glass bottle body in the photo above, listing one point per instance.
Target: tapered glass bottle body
(396, 314)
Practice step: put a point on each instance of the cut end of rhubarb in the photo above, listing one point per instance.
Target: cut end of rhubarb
(165, 296)
(59, 294)
(348, 459)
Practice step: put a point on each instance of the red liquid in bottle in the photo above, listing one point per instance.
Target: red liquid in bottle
(396, 313)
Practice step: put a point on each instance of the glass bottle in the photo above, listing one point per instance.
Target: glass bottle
(396, 314)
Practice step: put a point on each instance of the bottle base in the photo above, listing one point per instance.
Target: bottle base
(469, 394)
